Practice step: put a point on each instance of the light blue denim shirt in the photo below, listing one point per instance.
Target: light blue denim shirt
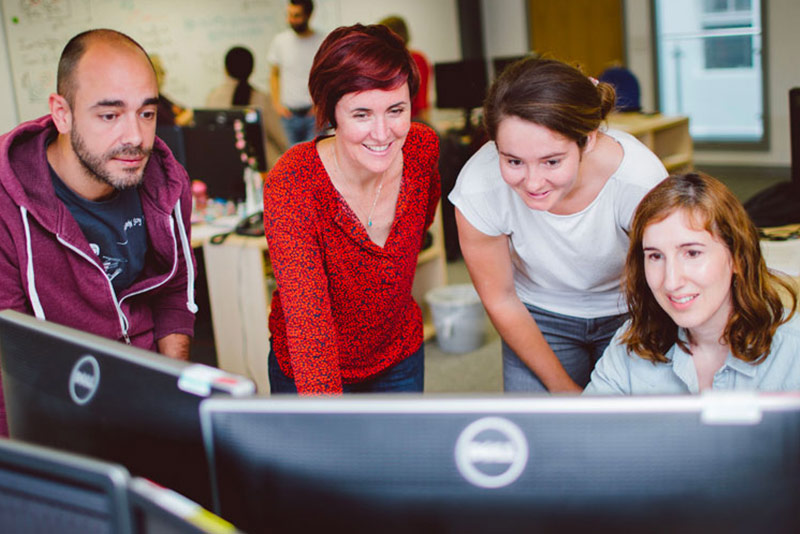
(618, 372)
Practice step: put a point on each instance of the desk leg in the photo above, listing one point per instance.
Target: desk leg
(239, 298)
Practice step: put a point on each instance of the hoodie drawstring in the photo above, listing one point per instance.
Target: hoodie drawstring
(32, 293)
(187, 256)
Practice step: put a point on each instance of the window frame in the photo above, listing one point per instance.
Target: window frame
(761, 145)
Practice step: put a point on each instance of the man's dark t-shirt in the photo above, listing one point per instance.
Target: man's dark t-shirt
(115, 229)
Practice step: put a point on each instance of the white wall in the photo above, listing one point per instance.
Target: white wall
(433, 24)
(638, 48)
(505, 27)
(194, 64)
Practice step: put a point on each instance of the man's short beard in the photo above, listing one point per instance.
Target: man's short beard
(300, 28)
(94, 164)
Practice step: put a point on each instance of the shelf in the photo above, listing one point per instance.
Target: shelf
(677, 162)
(641, 123)
(667, 136)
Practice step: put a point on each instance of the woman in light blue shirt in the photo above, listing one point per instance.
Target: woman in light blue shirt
(705, 313)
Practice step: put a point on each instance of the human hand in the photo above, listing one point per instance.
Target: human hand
(283, 111)
(566, 386)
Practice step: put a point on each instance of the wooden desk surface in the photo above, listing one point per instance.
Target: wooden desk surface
(203, 231)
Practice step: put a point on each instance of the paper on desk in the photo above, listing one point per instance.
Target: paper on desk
(221, 225)
(782, 256)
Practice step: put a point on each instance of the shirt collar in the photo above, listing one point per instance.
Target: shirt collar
(684, 369)
(740, 366)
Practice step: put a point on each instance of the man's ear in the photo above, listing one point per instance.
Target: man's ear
(61, 113)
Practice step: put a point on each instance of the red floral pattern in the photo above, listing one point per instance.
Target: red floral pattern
(343, 310)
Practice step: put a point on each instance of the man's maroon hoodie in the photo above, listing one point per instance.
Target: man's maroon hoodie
(47, 268)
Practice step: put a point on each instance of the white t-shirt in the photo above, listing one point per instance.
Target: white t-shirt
(294, 55)
(567, 264)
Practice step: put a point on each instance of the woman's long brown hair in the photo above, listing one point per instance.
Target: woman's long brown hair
(757, 307)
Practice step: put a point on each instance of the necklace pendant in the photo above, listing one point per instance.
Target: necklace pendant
(369, 223)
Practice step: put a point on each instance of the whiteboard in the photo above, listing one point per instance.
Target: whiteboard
(190, 36)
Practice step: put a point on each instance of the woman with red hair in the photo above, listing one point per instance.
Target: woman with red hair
(345, 216)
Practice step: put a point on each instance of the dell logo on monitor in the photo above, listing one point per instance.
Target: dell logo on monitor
(491, 452)
(84, 380)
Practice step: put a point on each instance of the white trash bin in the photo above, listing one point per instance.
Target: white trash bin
(458, 316)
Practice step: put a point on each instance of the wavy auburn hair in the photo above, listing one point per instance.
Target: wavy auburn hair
(757, 308)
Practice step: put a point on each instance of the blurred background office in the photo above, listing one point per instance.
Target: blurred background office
(721, 62)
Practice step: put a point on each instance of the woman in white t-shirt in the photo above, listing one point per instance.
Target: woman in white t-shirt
(543, 211)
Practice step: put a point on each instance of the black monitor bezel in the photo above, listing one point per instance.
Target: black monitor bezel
(716, 413)
(126, 421)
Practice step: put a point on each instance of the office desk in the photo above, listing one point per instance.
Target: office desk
(783, 253)
(238, 277)
(240, 285)
(203, 231)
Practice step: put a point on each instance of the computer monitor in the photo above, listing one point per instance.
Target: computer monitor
(82, 393)
(500, 63)
(44, 490)
(211, 152)
(172, 135)
(461, 85)
(724, 463)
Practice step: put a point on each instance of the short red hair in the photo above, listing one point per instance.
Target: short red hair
(358, 58)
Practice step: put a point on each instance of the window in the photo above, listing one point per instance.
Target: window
(728, 51)
(723, 50)
(710, 68)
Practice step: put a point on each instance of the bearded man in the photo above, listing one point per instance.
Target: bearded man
(290, 55)
(95, 209)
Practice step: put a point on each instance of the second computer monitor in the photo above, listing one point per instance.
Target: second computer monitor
(82, 393)
(211, 150)
(501, 63)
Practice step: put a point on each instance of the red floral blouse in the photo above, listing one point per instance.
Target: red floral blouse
(343, 310)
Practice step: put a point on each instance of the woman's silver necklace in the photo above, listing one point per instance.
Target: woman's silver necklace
(377, 195)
